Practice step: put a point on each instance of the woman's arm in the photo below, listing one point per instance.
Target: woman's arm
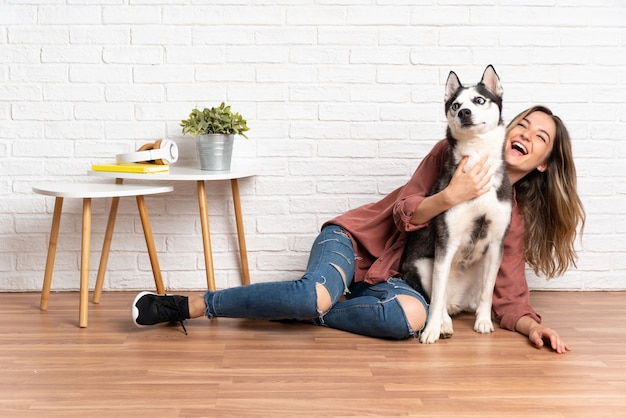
(537, 333)
(463, 186)
(511, 295)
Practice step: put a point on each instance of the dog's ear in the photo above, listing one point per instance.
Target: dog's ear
(492, 81)
(452, 85)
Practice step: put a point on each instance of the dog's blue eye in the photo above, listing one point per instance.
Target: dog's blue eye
(455, 106)
(479, 100)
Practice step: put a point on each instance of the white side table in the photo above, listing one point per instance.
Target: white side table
(88, 191)
(200, 177)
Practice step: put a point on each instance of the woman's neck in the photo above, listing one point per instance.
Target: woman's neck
(515, 176)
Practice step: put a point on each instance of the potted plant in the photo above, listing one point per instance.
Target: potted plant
(215, 129)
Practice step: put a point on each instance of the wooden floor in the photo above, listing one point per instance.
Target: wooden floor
(235, 368)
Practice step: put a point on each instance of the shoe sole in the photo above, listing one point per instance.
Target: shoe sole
(135, 311)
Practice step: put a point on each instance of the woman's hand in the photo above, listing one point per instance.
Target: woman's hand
(468, 185)
(462, 187)
(539, 335)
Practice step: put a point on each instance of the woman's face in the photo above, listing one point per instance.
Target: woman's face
(528, 145)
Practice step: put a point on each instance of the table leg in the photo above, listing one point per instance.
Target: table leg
(52, 250)
(84, 264)
(106, 247)
(243, 252)
(206, 235)
(147, 232)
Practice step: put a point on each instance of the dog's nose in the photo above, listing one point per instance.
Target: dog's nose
(465, 113)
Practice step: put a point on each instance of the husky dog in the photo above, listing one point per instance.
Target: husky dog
(455, 259)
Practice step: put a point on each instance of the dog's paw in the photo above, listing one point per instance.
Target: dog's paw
(484, 326)
(446, 326)
(446, 330)
(429, 335)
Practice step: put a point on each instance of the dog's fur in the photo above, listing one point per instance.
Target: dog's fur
(454, 260)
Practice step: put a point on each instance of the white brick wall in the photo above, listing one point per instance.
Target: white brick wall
(343, 98)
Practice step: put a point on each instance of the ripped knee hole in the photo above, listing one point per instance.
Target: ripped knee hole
(324, 300)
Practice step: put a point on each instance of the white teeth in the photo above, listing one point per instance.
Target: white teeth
(520, 147)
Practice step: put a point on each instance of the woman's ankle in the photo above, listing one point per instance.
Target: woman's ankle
(197, 306)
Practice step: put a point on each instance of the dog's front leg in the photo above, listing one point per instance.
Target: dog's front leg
(491, 261)
(438, 313)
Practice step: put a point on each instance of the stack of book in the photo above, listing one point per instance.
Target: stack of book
(143, 168)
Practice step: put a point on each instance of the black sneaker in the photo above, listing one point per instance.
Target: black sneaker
(151, 308)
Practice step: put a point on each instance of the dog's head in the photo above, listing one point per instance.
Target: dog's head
(473, 110)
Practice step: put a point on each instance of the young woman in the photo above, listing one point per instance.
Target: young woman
(358, 254)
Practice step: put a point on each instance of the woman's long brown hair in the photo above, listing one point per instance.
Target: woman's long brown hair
(551, 205)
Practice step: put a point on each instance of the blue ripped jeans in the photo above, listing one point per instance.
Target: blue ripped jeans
(371, 310)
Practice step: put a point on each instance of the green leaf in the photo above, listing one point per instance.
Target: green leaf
(216, 120)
